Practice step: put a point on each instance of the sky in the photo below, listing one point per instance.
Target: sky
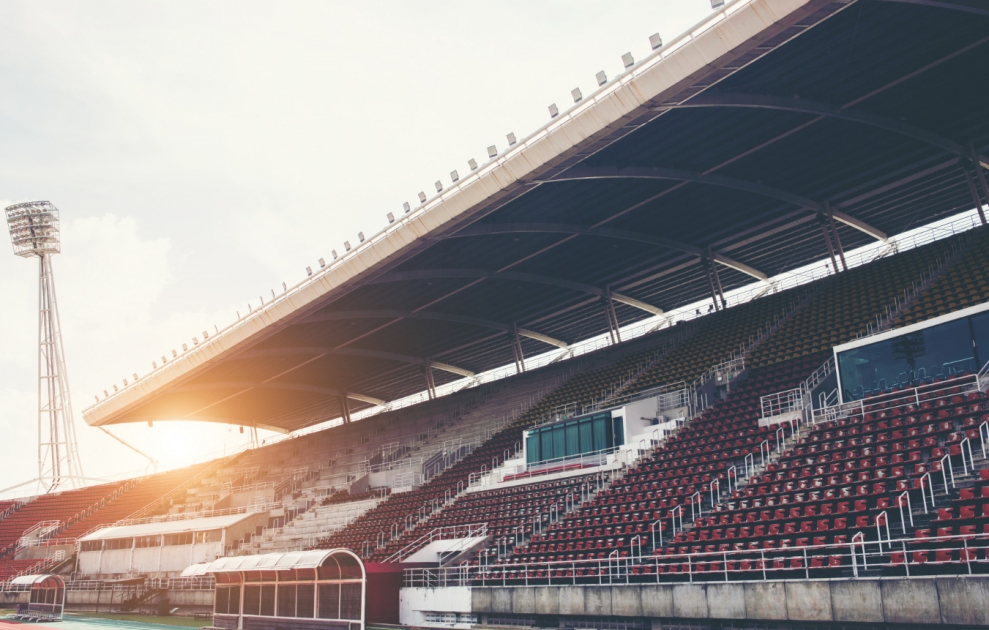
(202, 153)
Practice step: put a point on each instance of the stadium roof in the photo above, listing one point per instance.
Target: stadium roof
(737, 142)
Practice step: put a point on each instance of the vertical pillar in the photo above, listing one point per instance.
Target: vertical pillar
(981, 177)
(717, 278)
(345, 408)
(517, 349)
(834, 233)
(609, 312)
(975, 193)
(427, 371)
(710, 281)
(827, 239)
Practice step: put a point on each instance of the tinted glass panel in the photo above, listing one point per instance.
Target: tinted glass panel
(980, 326)
(601, 431)
(305, 598)
(233, 606)
(532, 447)
(619, 431)
(559, 443)
(268, 600)
(573, 439)
(586, 437)
(220, 599)
(329, 601)
(252, 600)
(286, 600)
(350, 601)
(908, 360)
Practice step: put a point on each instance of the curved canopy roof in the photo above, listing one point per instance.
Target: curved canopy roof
(736, 143)
(349, 564)
(41, 581)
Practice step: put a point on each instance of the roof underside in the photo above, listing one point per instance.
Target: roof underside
(866, 108)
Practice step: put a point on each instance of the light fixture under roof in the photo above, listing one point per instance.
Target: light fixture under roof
(439, 186)
(627, 60)
(454, 176)
(322, 263)
(407, 207)
(346, 245)
(511, 139)
(601, 77)
(472, 163)
(391, 217)
(422, 197)
(554, 111)
(655, 41)
(360, 235)
(576, 94)
(492, 151)
(308, 270)
(717, 4)
(333, 253)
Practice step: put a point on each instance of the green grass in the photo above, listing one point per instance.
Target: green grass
(186, 622)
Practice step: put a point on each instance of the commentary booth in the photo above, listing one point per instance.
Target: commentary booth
(304, 590)
(47, 601)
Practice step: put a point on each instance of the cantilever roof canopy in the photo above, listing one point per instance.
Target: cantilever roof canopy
(25, 582)
(737, 143)
(349, 565)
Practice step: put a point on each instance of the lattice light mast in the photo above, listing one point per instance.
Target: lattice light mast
(34, 232)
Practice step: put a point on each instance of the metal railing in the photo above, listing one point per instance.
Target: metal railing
(886, 556)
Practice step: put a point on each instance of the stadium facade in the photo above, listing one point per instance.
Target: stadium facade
(809, 454)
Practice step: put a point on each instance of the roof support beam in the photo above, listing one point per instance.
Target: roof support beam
(511, 276)
(815, 108)
(941, 4)
(432, 315)
(296, 387)
(351, 352)
(583, 173)
(479, 229)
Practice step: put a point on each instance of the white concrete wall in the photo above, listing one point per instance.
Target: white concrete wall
(414, 602)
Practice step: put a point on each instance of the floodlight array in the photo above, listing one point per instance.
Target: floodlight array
(34, 228)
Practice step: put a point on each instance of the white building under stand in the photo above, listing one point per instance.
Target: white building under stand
(163, 548)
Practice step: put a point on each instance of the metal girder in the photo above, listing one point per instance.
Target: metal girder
(432, 315)
(760, 101)
(512, 276)
(297, 387)
(584, 173)
(479, 229)
(352, 352)
(941, 4)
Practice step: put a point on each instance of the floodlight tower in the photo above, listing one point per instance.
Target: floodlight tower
(34, 232)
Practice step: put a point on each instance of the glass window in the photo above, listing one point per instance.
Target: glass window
(909, 360)
(252, 600)
(532, 447)
(119, 543)
(980, 328)
(350, 601)
(268, 600)
(601, 432)
(91, 545)
(586, 437)
(221, 599)
(286, 600)
(559, 442)
(305, 600)
(573, 439)
(234, 604)
(210, 536)
(185, 538)
(143, 542)
(619, 431)
(329, 601)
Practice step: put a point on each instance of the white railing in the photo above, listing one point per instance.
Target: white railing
(939, 555)
(777, 404)
(472, 530)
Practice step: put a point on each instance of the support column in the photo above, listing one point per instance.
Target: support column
(705, 262)
(427, 371)
(517, 349)
(827, 239)
(834, 233)
(975, 193)
(345, 409)
(980, 176)
(717, 278)
(609, 311)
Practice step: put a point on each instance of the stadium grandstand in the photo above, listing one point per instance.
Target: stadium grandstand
(708, 350)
